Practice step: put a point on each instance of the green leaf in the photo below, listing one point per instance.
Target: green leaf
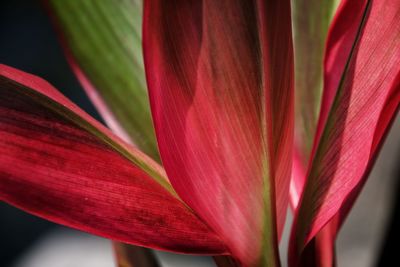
(103, 42)
(311, 19)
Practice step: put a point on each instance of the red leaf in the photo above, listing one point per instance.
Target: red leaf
(361, 98)
(220, 81)
(58, 163)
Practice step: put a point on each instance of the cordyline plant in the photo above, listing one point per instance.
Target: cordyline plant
(236, 127)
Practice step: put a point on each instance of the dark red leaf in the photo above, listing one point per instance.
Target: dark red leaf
(58, 163)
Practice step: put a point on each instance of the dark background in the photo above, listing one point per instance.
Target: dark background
(28, 42)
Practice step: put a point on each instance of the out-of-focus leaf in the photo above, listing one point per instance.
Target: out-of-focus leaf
(134, 256)
(60, 164)
(221, 91)
(361, 98)
(126, 255)
(102, 40)
(225, 261)
(311, 19)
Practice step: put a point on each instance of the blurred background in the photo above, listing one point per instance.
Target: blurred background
(28, 42)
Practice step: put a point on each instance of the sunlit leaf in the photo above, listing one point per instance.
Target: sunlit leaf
(311, 20)
(220, 82)
(361, 98)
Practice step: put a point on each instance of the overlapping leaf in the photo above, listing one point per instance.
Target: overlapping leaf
(361, 97)
(311, 20)
(58, 163)
(220, 83)
(102, 42)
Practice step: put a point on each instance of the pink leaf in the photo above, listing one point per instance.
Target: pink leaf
(361, 98)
